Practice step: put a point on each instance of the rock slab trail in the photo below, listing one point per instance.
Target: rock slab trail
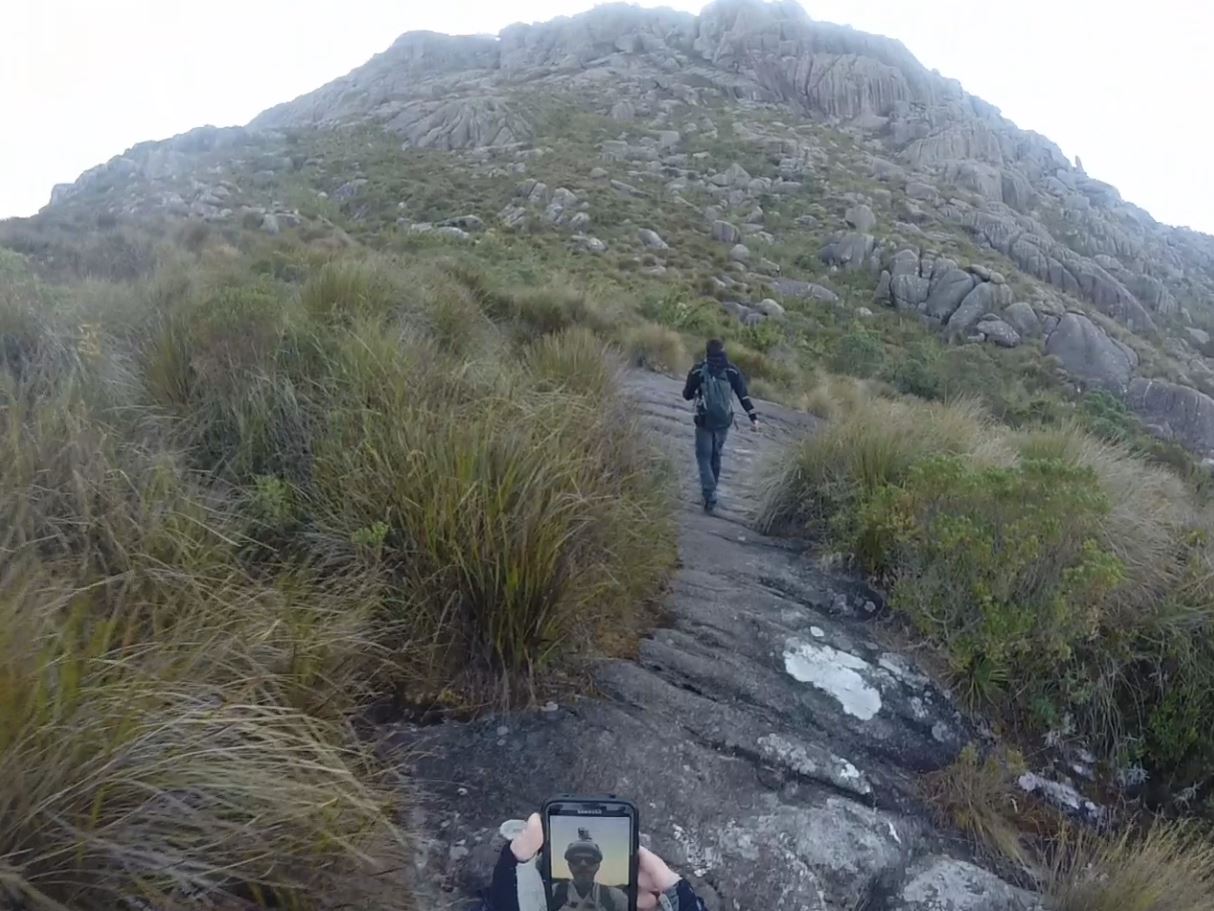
(770, 744)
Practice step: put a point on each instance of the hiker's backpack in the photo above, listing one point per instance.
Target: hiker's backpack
(716, 398)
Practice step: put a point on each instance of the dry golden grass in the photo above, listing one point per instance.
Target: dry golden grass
(1170, 867)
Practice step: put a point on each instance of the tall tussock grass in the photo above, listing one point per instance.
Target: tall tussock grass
(235, 512)
(1167, 867)
(1065, 579)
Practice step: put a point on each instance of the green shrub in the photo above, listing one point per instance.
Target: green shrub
(1107, 417)
(999, 566)
(917, 372)
(859, 353)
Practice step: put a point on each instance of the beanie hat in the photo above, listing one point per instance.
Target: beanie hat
(584, 845)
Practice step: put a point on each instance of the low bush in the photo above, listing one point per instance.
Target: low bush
(1066, 580)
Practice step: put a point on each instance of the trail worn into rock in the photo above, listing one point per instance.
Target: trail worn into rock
(770, 744)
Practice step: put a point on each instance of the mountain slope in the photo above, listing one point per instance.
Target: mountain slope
(819, 117)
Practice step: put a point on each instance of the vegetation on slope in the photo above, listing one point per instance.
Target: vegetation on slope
(1065, 578)
(240, 501)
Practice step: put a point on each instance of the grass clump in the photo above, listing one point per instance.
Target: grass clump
(238, 506)
(1168, 867)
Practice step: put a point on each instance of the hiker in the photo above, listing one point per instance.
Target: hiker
(658, 887)
(713, 383)
(581, 892)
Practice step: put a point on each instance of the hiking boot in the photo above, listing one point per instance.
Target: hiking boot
(710, 506)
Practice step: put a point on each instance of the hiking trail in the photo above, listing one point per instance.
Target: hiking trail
(771, 745)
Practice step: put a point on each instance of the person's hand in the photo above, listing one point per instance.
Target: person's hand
(653, 878)
(754, 423)
(528, 842)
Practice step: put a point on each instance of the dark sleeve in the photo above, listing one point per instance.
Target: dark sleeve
(683, 898)
(738, 382)
(503, 893)
(692, 386)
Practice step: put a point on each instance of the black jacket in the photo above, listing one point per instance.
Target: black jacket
(736, 381)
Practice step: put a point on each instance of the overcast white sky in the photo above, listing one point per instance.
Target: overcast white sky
(1125, 84)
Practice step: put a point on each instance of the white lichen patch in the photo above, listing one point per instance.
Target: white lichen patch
(834, 672)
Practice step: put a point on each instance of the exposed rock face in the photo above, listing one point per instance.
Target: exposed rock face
(1175, 412)
(1087, 351)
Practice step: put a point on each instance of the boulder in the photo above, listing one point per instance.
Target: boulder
(1087, 352)
(909, 291)
(949, 287)
(923, 192)
(590, 244)
(985, 298)
(470, 223)
(453, 233)
(513, 217)
(1197, 336)
(1174, 412)
(725, 232)
(945, 884)
(740, 253)
(791, 287)
(652, 239)
(861, 218)
(625, 188)
(851, 251)
(770, 308)
(579, 222)
(999, 333)
(1023, 318)
(734, 176)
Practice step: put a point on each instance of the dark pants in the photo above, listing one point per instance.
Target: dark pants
(709, 444)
